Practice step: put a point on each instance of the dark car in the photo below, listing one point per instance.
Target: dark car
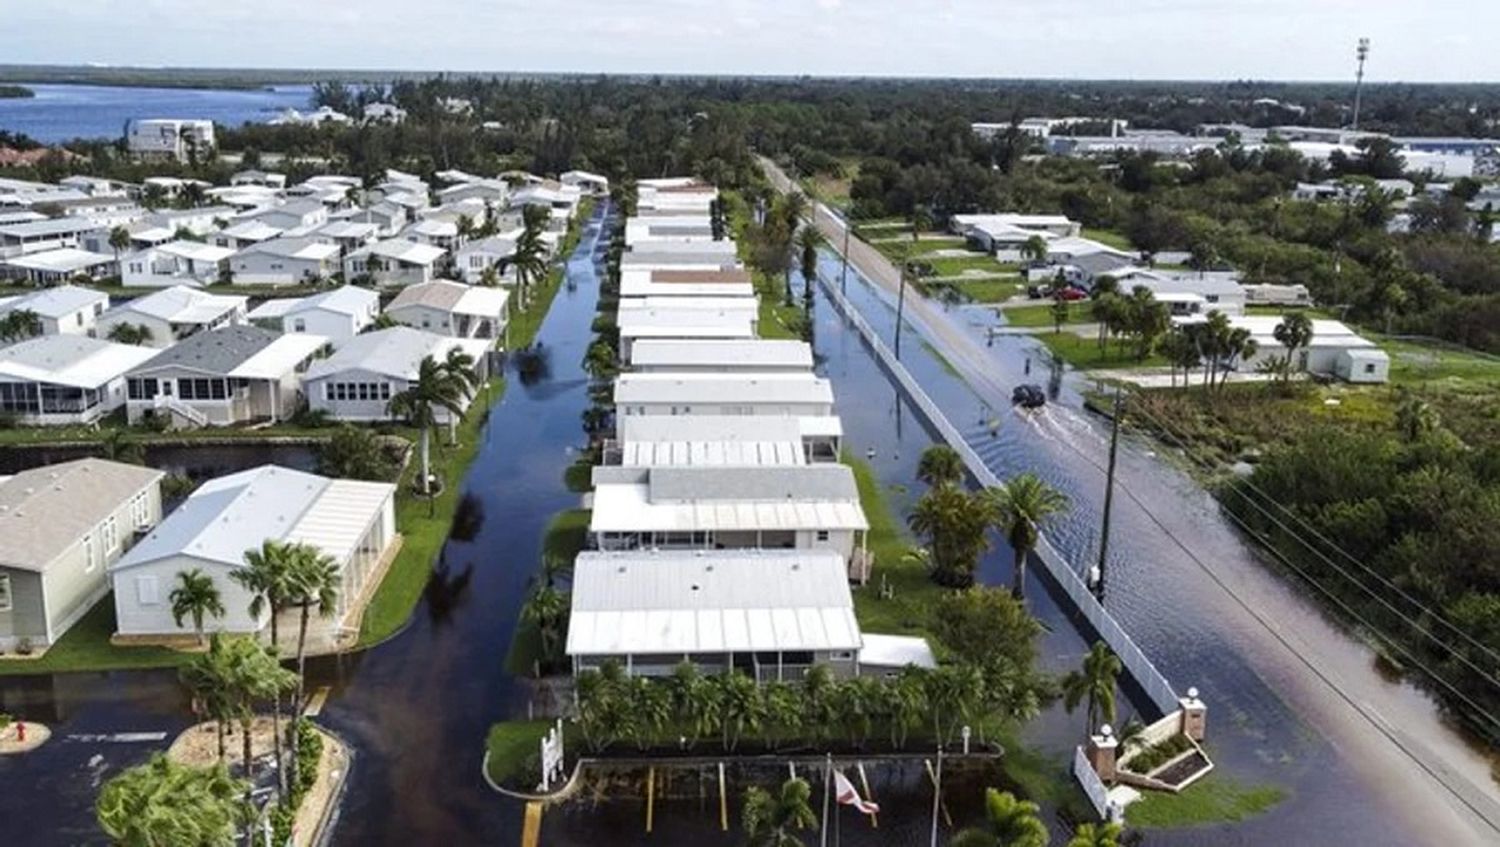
(1028, 396)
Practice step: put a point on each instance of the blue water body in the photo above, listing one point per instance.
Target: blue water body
(63, 112)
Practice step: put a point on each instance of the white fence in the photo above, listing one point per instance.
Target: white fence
(1141, 669)
(1092, 786)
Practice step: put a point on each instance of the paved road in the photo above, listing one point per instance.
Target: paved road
(1391, 736)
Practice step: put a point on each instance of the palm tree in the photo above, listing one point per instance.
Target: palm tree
(783, 710)
(1035, 249)
(546, 609)
(129, 333)
(769, 820)
(460, 366)
(1022, 504)
(270, 577)
(117, 446)
(253, 675)
(1415, 418)
(1106, 309)
(435, 388)
(921, 219)
(953, 522)
(163, 804)
(530, 258)
(906, 703)
(195, 596)
(741, 708)
(209, 678)
(940, 465)
(1096, 835)
(19, 325)
(1294, 332)
(316, 580)
(1008, 822)
(820, 698)
(808, 241)
(1181, 352)
(694, 700)
(1093, 683)
(119, 241)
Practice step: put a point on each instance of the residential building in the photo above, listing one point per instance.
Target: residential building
(434, 231)
(656, 257)
(384, 113)
(590, 184)
(293, 214)
(63, 310)
(641, 233)
(660, 284)
(476, 257)
(736, 393)
(388, 218)
(202, 221)
(231, 375)
(803, 507)
(39, 235)
(253, 176)
(1335, 349)
(285, 261)
(665, 322)
(172, 314)
(348, 235)
(651, 440)
(245, 233)
(64, 525)
(351, 522)
(337, 314)
(1187, 292)
(451, 308)
(394, 262)
(170, 138)
(65, 379)
(758, 355)
(175, 263)
(54, 267)
(357, 382)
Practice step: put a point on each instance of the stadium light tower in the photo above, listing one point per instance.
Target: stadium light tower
(1361, 53)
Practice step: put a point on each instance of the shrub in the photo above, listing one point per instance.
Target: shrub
(1155, 756)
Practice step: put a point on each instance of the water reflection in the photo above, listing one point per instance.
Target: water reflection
(533, 364)
(446, 591)
(468, 517)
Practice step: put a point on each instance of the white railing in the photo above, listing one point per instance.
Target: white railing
(1093, 787)
(177, 407)
(1141, 669)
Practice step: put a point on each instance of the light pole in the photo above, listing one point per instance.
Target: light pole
(900, 307)
(1109, 496)
(844, 272)
(1361, 53)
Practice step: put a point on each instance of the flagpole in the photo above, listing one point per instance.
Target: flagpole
(937, 794)
(827, 790)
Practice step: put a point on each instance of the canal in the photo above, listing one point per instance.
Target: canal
(417, 707)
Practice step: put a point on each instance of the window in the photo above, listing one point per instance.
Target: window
(146, 591)
(822, 535)
(89, 562)
(140, 388)
(1369, 367)
(111, 535)
(79, 316)
(299, 325)
(5, 601)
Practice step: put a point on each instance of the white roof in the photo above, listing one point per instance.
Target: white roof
(434, 228)
(346, 229)
(1263, 329)
(402, 250)
(758, 453)
(73, 360)
(396, 352)
(454, 297)
(700, 499)
(747, 354)
(687, 388)
(61, 260)
(895, 651)
(226, 516)
(641, 428)
(252, 230)
(685, 304)
(686, 323)
(345, 300)
(183, 305)
(195, 250)
(278, 358)
(58, 302)
(710, 602)
(307, 249)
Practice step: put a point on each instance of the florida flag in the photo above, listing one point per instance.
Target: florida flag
(844, 790)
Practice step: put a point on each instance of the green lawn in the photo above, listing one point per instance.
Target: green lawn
(958, 265)
(1114, 239)
(1310, 311)
(987, 290)
(1084, 353)
(563, 539)
(1041, 314)
(24, 435)
(514, 746)
(923, 246)
(1212, 799)
(259, 292)
(909, 610)
(86, 647)
(1418, 362)
(775, 320)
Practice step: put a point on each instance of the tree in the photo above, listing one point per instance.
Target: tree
(19, 325)
(1180, 352)
(162, 804)
(530, 257)
(269, 576)
(129, 333)
(459, 366)
(209, 678)
(953, 523)
(436, 387)
(770, 820)
(694, 700)
(1106, 309)
(1294, 333)
(119, 241)
(906, 702)
(809, 240)
(1008, 822)
(195, 596)
(1021, 505)
(741, 708)
(921, 219)
(117, 446)
(355, 453)
(1034, 249)
(1094, 684)
(547, 609)
(1146, 319)
(940, 465)
(1059, 312)
(315, 583)
(599, 362)
(1096, 835)
(1415, 418)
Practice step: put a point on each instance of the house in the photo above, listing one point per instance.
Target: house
(293, 214)
(231, 375)
(757, 355)
(802, 507)
(1187, 292)
(65, 379)
(173, 314)
(259, 177)
(347, 235)
(54, 267)
(388, 218)
(394, 262)
(451, 308)
(94, 186)
(245, 233)
(357, 382)
(108, 211)
(170, 138)
(590, 184)
(476, 257)
(1335, 349)
(64, 310)
(657, 257)
(1081, 260)
(661, 284)
(17, 239)
(387, 113)
(666, 322)
(650, 440)
(1277, 295)
(337, 314)
(640, 232)
(175, 263)
(285, 261)
(201, 221)
(492, 191)
(734, 393)
(1004, 235)
(351, 522)
(434, 231)
(64, 525)
(674, 195)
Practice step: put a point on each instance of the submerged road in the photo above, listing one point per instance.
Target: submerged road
(1389, 738)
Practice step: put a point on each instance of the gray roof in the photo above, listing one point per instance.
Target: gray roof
(397, 351)
(46, 510)
(218, 351)
(766, 484)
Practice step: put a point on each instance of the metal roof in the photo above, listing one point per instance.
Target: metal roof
(747, 388)
(710, 602)
(396, 352)
(453, 297)
(747, 354)
(690, 499)
(307, 249)
(72, 360)
(44, 511)
(58, 302)
(61, 260)
(345, 300)
(639, 428)
(655, 454)
(182, 304)
(241, 350)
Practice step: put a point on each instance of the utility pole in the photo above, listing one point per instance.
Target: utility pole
(844, 273)
(1109, 495)
(900, 307)
(1361, 53)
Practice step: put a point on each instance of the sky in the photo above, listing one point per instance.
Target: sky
(1431, 40)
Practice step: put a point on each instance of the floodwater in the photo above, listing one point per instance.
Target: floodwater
(61, 112)
(417, 707)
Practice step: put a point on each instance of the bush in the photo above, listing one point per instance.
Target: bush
(309, 751)
(1152, 758)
